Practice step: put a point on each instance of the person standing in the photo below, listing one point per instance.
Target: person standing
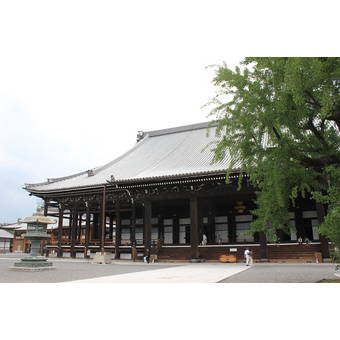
(204, 240)
(248, 256)
(251, 257)
(147, 256)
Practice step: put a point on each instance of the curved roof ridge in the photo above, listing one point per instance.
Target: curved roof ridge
(152, 134)
(160, 154)
(137, 145)
(173, 150)
(184, 128)
(57, 179)
(95, 170)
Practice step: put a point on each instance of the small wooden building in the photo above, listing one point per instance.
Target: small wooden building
(165, 196)
(5, 241)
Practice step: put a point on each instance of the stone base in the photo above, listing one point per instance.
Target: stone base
(33, 263)
(31, 269)
(100, 258)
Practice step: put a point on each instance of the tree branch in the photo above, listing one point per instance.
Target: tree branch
(317, 163)
(314, 101)
(317, 133)
(335, 117)
(276, 133)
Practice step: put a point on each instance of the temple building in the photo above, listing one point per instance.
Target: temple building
(165, 196)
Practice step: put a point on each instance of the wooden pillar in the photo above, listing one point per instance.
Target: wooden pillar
(200, 224)
(231, 228)
(73, 233)
(118, 232)
(111, 227)
(300, 230)
(87, 230)
(70, 226)
(263, 246)
(147, 226)
(103, 225)
(211, 237)
(320, 210)
(194, 227)
(133, 226)
(95, 226)
(175, 230)
(45, 207)
(80, 220)
(60, 230)
(161, 228)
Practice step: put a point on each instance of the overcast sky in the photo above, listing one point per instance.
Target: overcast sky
(78, 79)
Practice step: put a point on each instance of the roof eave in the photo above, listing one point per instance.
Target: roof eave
(135, 181)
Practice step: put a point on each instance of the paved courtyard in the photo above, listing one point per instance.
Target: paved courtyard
(69, 270)
(82, 271)
(284, 273)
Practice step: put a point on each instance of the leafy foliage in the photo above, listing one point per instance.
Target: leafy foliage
(279, 119)
(331, 226)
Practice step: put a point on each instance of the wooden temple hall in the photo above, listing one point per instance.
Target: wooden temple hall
(166, 197)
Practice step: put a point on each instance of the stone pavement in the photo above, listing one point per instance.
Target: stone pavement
(186, 273)
(121, 271)
(284, 273)
(82, 271)
(71, 270)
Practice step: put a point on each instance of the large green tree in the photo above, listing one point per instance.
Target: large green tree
(279, 119)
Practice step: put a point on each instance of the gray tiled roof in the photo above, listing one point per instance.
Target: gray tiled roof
(161, 154)
(5, 234)
(23, 226)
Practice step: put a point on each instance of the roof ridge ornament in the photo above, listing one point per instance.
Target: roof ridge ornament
(112, 181)
(140, 135)
(90, 172)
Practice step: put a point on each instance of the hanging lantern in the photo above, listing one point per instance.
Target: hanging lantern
(240, 207)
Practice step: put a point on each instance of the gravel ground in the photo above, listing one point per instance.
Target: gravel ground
(284, 273)
(70, 270)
